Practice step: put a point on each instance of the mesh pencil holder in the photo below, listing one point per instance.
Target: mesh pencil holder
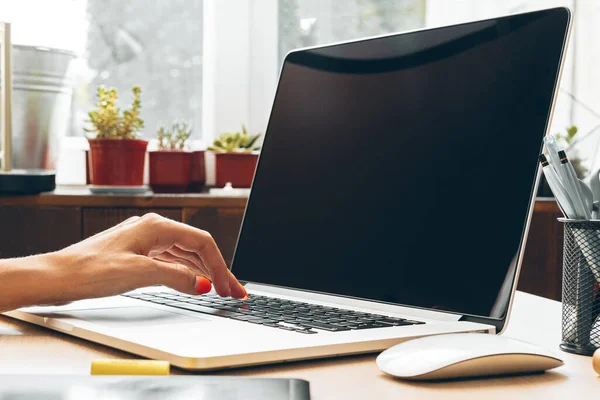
(580, 296)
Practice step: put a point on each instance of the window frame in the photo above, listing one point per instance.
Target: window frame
(241, 67)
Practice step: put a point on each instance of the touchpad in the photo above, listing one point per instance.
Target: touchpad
(127, 316)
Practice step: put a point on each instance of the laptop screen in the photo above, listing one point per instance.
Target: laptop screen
(400, 169)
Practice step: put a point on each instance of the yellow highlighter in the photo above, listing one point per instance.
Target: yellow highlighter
(130, 367)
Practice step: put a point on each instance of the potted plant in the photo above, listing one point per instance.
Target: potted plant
(236, 157)
(170, 165)
(198, 174)
(116, 156)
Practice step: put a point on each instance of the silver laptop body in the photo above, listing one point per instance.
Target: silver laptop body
(143, 324)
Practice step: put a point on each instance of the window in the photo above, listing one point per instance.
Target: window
(120, 43)
(305, 23)
(155, 44)
(215, 63)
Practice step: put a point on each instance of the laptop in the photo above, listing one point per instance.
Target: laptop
(391, 201)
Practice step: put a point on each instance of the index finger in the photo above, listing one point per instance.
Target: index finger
(163, 233)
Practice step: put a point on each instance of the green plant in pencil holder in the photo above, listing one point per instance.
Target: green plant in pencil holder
(175, 138)
(566, 141)
(236, 142)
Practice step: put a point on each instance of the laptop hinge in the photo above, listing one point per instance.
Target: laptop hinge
(352, 302)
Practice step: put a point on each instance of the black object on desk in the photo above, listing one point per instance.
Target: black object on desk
(26, 182)
(28, 387)
(580, 294)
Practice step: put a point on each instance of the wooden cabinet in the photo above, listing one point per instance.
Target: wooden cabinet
(33, 230)
(541, 272)
(36, 224)
(98, 219)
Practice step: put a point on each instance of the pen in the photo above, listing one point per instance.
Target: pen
(562, 198)
(595, 187)
(574, 186)
(552, 148)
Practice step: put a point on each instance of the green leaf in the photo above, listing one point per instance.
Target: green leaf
(250, 142)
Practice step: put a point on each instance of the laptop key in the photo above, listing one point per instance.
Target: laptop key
(134, 295)
(326, 327)
(189, 296)
(160, 301)
(322, 321)
(167, 296)
(274, 317)
(372, 326)
(200, 302)
(228, 308)
(201, 309)
(364, 321)
(304, 318)
(271, 324)
(145, 297)
(285, 328)
(392, 321)
(261, 308)
(306, 331)
(255, 321)
(292, 325)
(261, 321)
(402, 323)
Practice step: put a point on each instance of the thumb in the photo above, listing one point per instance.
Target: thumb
(180, 278)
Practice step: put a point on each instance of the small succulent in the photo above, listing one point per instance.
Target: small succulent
(569, 138)
(174, 138)
(107, 119)
(566, 141)
(237, 142)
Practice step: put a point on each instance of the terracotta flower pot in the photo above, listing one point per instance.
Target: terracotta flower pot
(117, 162)
(87, 168)
(170, 170)
(198, 174)
(237, 168)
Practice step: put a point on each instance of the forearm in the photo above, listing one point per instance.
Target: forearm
(23, 282)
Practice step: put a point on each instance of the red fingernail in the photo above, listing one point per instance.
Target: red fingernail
(203, 285)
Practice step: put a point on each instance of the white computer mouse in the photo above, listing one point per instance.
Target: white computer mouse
(464, 355)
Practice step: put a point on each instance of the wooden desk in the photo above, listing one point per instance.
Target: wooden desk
(28, 349)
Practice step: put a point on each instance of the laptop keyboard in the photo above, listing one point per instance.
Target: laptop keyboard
(277, 313)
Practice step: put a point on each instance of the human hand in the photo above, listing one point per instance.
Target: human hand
(139, 252)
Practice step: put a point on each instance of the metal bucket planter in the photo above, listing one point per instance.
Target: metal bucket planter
(41, 105)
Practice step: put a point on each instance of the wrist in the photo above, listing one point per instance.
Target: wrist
(25, 281)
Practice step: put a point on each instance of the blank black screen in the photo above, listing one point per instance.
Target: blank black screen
(400, 169)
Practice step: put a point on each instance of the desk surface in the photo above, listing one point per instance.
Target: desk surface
(28, 349)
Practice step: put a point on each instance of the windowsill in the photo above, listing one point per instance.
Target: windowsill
(80, 196)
